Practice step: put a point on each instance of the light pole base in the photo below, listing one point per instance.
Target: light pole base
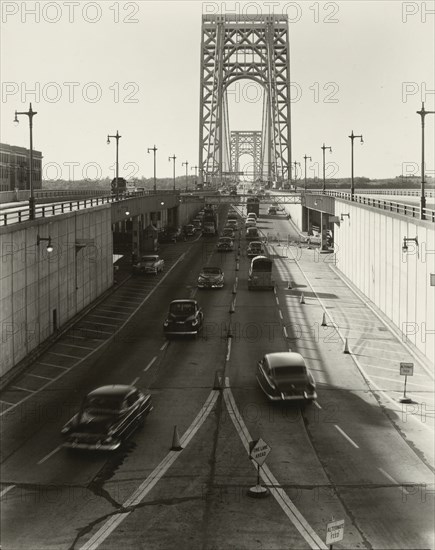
(406, 400)
(258, 491)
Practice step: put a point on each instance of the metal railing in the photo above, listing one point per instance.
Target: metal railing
(21, 214)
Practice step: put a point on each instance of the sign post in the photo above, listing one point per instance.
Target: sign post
(334, 532)
(258, 451)
(406, 369)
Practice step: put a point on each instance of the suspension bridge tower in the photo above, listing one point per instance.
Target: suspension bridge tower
(253, 47)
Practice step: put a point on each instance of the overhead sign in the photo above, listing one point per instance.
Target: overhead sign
(258, 451)
(334, 531)
(407, 369)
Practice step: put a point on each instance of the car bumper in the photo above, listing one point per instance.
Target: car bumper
(210, 285)
(171, 332)
(283, 396)
(95, 446)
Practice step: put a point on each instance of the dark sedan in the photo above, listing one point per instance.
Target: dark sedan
(185, 317)
(284, 376)
(106, 418)
(211, 277)
(225, 244)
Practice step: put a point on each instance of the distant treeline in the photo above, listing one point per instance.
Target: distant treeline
(399, 182)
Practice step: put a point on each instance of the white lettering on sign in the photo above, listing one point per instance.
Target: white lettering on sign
(407, 369)
(259, 451)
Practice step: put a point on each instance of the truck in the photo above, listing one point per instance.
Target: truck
(253, 205)
(210, 221)
(260, 274)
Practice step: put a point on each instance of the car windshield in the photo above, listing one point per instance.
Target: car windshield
(212, 270)
(149, 258)
(261, 265)
(106, 403)
(185, 308)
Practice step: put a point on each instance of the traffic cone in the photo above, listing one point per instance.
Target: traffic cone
(289, 285)
(176, 446)
(232, 307)
(324, 323)
(346, 347)
(217, 382)
(302, 300)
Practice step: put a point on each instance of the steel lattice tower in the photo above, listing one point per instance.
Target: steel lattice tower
(247, 143)
(245, 47)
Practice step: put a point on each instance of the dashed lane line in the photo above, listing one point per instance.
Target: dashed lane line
(134, 381)
(99, 323)
(165, 345)
(344, 434)
(6, 490)
(150, 363)
(46, 457)
(141, 492)
(274, 487)
(73, 345)
(22, 389)
(63, 355)
(37, 376)
(103, 343)
(52, 365)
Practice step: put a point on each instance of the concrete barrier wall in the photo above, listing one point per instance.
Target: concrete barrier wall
(369, 252)
(39, 289)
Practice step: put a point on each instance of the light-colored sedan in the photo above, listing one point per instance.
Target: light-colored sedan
(149, 264)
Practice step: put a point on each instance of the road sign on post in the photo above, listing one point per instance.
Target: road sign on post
(258, 451)
(406, 369)
(334, 532)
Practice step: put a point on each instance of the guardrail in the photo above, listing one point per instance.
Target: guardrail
(21, 213)
(397, 207)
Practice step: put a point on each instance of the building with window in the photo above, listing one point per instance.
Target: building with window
(15, 168)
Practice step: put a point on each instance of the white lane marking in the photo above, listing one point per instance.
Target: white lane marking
(103, 343)
(62, 354)
(37, 376)
(165, 345)
(344, 434)
(73, 345)
(85, 329)
(150, 363)
(99, 323)
(277, 300)
(399, 338)
(285, 332)
(367, 378)
(102, 317)
(316, 404)
(280, 314)
(6, 490)
(52, 365)
(134, 381)
(276, 490)
(108, 310)
(391, 478)
(46, 457)
(228, 350)
(122, 307)
(114, 521)
(22, 389)
(400, 382)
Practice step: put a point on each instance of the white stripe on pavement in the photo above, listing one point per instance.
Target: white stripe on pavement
(344, 434)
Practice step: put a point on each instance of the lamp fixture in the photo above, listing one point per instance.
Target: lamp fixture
(49, 245)
(407, 240)
(343, 215)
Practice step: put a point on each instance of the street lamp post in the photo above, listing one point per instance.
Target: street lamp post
(187, 171)
(30, 113)
(305, 162)
(352, 184)
(173, 159)
(422, 114)
(117, 136)
(296, 164)
(196, 174)
(154, 149)
(324, 147)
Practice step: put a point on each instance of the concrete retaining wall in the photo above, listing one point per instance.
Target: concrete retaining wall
(369, 252)
(39, 290)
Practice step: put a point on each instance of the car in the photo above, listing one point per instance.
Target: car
(107, 416)
(315, 238)
(255, 248)
(232, 223)
(197, 224)
(228, 232)
(250, 223)
(284, 376)
(252, 215)
(252, 234)
(171, 235)
(225, 244)
(185, 317)
(151, 263)
(211, 277)
(233, 216)
(189, 230)
(272, 210)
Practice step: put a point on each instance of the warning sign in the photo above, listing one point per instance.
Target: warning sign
(258, 451)
(334, 531)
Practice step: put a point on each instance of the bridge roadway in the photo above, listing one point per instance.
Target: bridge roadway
(351, 456)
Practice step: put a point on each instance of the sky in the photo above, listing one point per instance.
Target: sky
(94, 68)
